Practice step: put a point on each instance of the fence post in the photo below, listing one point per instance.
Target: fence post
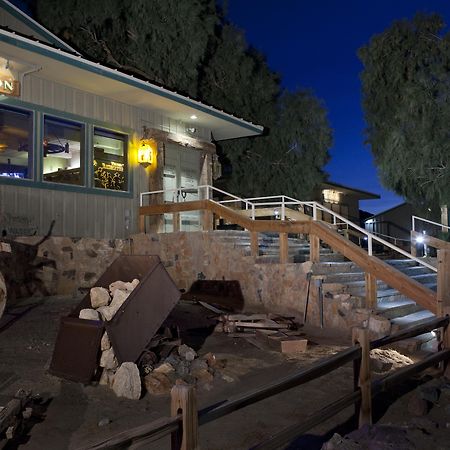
(314, 248)
(207, 219)
(254, 245)
(176, 222)
(413, 244)
(184, 402)
(443, 281)
(141, 223)
(284, 253)
(362, 376)
(371, 290)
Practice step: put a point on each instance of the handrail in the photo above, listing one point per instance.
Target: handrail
(253, 202)
(414, 218)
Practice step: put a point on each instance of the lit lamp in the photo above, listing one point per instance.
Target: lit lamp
(146, 152)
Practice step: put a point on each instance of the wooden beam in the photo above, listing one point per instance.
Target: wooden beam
(141, 223)
(284, 248)
(207, 220)
(314, 248)
(443, 281)
(183, 400)
(176, 222)
(378, 268)
(361, 336)
(430, 241)
(371, 291)
(254, 244)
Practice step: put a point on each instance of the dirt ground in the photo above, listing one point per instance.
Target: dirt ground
(71, 412)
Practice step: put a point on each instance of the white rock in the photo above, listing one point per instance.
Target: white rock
(127, 382)
(379, 326)
(107, 377)
(105, 343)
(99, 297)
(108, 359)
(106, 312)
(187, 352)
(118, 300)
(123, 286)
(89, 314)
(164, 368)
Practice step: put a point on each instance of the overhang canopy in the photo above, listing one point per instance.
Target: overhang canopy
(78, 72)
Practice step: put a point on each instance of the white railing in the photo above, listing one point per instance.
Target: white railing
(284, 203)
(421, 219)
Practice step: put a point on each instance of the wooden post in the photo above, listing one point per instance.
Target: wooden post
(207, 219)
(371, 291)
(314, 248)
(443, 281)
(184, 402)
(176, 222)
(254, 244)
(141, 223)
(284, 256)
(361, 336)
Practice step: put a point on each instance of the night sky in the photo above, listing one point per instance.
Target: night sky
(314, 44)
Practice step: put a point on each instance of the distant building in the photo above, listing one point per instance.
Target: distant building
(343, 200)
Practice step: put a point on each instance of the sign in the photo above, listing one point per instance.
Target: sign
(9, 87)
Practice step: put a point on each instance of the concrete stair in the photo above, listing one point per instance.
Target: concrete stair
(346, 277)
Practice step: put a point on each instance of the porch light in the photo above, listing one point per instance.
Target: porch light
(146, 152)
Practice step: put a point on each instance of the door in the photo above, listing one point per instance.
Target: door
(182, 169)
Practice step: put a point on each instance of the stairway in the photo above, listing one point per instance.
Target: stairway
(341, 276)
(346, 277)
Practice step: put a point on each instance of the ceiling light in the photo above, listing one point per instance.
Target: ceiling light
(193, 117)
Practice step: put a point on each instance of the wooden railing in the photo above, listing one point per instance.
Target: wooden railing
(184, 424)
(318, 231)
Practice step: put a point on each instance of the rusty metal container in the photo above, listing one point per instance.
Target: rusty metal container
(77, 348)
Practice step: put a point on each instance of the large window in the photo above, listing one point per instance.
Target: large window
(110, 162)
(16, 131)
(63, 151)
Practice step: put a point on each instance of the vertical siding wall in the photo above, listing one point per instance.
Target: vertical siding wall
(80, 214)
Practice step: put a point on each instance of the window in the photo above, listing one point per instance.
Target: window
(63, 151)
(110, 160)
(16, 131)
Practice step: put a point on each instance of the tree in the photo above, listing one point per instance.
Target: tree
(406, 99)
(188, 46)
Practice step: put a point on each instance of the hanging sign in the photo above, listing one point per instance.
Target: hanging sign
(9, 86)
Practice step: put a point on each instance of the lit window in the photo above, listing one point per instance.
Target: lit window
(16, 131)
(331, 196)
(110, 160)
(63, 152)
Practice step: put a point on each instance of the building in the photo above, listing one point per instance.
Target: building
(343, 200)
(71, 131)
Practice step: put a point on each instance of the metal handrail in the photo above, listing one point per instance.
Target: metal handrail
(251, 203)
(414, 218)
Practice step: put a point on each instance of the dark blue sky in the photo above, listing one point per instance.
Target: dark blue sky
(314, 44)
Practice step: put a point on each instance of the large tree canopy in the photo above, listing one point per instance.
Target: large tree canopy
(406, 99)
(188, 46)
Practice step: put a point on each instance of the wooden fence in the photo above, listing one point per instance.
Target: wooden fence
(184, 424)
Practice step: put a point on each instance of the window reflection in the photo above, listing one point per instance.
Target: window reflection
(62, 151)
(110, 164)
(16, 130)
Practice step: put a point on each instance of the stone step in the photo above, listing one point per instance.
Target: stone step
(389, 295)
(399, 308)
(416, 318)
(329, 267)
(423, 342)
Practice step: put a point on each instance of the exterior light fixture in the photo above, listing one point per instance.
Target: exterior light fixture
(146, 152)
(420, 239)
(193, 117)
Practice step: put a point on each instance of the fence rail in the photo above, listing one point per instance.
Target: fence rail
(184, 427)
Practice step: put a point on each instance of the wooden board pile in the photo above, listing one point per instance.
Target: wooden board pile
(273, 331)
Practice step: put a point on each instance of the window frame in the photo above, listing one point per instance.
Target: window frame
(36, 181)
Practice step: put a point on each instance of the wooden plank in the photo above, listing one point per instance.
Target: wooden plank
(266, 324)
(254, 244)
(361, 336)
(183, 400)
(245, 317)
(284, 248)
(314, 248)
(443, 281)
(381, 270)
(207, 220)
(430, 240)
(371, 291)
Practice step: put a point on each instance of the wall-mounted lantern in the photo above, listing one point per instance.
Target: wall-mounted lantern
(147, 152)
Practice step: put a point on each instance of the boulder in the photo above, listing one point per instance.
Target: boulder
(118, 300)
(203, 376)
(99, 297)
(89, 314)
(123, 286)
(107, 377)
(108, 359)
(164, 368)
(127, 382)
(157, 383)
(187, 352)
(105, 343)
(106, 312)
(2, 294)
